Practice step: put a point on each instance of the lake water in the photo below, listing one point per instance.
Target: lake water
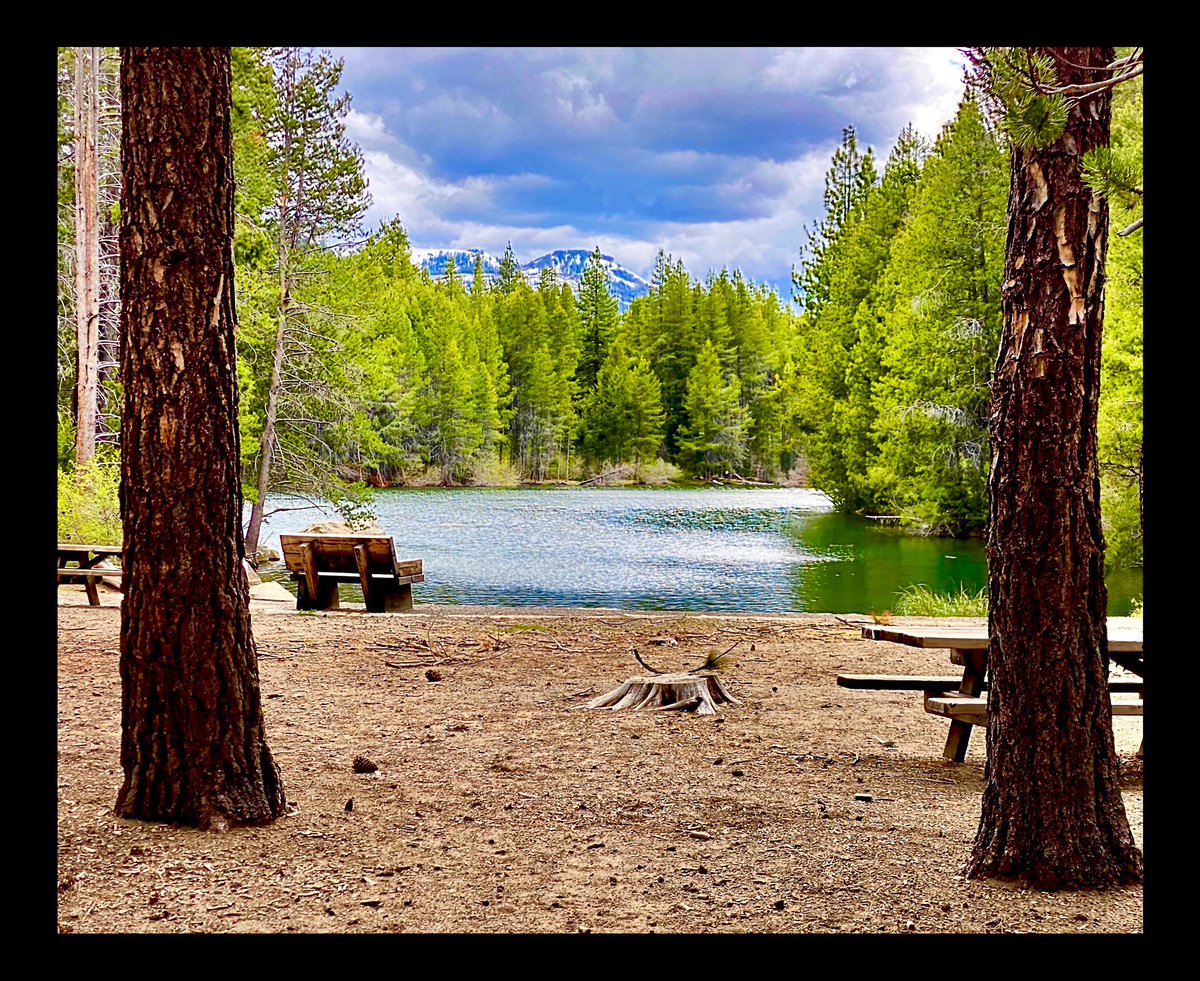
(751, 551)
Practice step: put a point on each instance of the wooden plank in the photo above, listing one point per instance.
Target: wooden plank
(92, 573)
(899, 682)
(956, 705)
(308, 565)
(1121, 636)
(906, 682)
(364, 572)
(95, 549)
(354, 577)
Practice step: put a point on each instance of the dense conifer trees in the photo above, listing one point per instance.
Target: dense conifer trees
(355, 366)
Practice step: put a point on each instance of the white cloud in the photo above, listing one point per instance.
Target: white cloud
(368, 129)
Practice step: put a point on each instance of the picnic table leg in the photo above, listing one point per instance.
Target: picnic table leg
(1142, 744)
(93, 594)
(972, 684)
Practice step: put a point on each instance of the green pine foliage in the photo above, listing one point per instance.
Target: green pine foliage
(940, 311)
(900, 330)
(713, 441)
(1120, 420)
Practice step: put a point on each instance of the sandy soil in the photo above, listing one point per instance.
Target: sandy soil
(499, 805)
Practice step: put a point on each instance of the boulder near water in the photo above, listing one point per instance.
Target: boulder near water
(342, 528)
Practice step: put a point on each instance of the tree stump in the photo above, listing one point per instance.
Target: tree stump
(685, 692)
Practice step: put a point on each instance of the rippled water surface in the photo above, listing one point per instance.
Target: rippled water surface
(762, 551)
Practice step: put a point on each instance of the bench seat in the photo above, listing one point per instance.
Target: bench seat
(94, 573)
(907, 682)
(973, 709)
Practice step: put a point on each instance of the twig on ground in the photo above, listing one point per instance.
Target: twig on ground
(429, 636)
(414, 664)
(644, 664)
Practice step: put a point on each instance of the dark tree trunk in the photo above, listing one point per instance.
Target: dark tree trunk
(192, 743)
(1052, 808)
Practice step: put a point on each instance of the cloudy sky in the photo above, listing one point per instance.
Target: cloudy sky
(717, 155)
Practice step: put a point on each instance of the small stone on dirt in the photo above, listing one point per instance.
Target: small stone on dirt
(350, 804)
(433, 674)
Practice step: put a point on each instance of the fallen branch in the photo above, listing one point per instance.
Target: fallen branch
(644, 664)
(601, 476)
(414, 664)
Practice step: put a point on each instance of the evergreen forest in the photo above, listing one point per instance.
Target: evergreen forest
(357, 368)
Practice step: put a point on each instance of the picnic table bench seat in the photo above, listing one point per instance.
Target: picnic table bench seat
(318, 563)
(973, 709)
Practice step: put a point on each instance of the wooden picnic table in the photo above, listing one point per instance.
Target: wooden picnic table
(76, 561)
(968, 647)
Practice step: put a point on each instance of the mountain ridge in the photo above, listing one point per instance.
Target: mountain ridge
(624, 284)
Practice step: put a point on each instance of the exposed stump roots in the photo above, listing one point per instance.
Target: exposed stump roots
(685, 692)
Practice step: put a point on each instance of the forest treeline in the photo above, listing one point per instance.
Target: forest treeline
(356, 367)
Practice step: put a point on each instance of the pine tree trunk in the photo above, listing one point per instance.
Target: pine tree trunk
(266, 455)
(1052, 809)
(193, 746)
(87, 251)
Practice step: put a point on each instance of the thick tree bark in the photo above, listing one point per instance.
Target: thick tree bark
(87, 251)
(193, 746)
(1052, 809)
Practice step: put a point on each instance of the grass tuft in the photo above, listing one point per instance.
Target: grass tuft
(920, 601)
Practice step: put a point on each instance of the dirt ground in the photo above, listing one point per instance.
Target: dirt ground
(500, 805)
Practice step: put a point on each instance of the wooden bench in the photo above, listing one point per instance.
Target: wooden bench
(86, 568)
(319, 563)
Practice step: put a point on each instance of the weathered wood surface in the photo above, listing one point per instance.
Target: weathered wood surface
(73, 548)
(956, 705)
(685, 691)
(905, 682)
(319, 562)
(967, 644)
(1122, 636)
(86, 568)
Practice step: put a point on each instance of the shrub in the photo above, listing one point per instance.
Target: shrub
(658, 473)
(89, 509)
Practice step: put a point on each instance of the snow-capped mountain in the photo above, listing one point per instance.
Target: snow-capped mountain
(436, 261)
(623, 283)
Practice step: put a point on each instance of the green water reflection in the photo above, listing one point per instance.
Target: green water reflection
(865, 564)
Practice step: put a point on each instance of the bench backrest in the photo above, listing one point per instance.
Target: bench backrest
(335, 553)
